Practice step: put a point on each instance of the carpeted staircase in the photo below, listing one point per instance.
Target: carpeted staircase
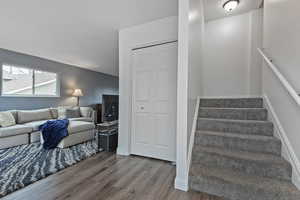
(235, 154)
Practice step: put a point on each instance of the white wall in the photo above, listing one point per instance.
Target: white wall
(138, 36)
(191, 31)
(282, 41)
(231, 65)
(282, 44)
(255, 62)
(287, 113)
(195, 62)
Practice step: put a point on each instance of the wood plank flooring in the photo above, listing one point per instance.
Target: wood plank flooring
(107, 176)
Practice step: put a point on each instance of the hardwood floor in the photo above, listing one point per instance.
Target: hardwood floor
(110, 177)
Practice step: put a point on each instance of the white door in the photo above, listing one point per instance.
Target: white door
(154, 101)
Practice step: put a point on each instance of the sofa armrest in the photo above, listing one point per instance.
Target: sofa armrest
(88, 112)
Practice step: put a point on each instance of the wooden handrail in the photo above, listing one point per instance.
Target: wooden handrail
(282, 79)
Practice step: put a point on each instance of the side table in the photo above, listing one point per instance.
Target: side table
(107, 134)
(108, 140)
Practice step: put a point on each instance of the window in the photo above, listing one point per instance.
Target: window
(20, 81)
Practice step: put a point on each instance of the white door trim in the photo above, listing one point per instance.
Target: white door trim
(132, 48)
(157, 106)
(148, 45)
(157, 31)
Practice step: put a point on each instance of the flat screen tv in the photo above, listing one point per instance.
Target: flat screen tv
(110, 108)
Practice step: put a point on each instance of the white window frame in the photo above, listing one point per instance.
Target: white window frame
(57, 95)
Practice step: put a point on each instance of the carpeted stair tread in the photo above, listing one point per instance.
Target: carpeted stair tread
(237, 126)
(267, 165)
(232, 102)
(236, 141)
(236, 135)
(254, 156)
(240, 186)
(234, 113)
(237, 121)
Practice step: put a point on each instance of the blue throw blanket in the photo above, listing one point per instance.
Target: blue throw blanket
(53, 132)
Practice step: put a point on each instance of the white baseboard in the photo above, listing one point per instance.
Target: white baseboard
(287, 150)
(122, 153)
(181, 184)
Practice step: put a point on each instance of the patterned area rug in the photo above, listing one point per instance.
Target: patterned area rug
(23, 165)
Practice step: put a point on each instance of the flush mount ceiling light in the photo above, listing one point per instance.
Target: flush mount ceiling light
(231, 5)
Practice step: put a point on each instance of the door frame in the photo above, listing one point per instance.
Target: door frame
(148, 45)
(157, 31)
(151, 33)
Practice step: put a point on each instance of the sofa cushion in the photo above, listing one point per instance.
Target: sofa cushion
(25, 116)
(86, 112)
(72, 112)
(78, 126)
(7, 119)
(14, 130)
(35, 125)
(84, 119)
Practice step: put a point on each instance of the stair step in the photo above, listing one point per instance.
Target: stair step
(234, 113)
(236, 126)
(232, 103)
(233, 141)
(259, 164)
(239, 186)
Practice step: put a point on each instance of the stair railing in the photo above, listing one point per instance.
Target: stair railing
(282, 79)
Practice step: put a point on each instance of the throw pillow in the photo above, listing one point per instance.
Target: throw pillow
(7, 119)
(61, 112)
(25, 116)
(72, 113)
(54, 113)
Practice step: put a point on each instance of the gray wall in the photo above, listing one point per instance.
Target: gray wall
(93, 84)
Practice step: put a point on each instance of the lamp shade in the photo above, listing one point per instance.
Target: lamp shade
(77, 93)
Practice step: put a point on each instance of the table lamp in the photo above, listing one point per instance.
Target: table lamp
(77, 93)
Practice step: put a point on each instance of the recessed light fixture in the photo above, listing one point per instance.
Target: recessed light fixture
(231, 5)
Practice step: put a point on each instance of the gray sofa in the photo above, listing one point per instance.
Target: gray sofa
(81, 128)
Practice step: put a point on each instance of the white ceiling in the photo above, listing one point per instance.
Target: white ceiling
(83, 33)
(214, 8)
